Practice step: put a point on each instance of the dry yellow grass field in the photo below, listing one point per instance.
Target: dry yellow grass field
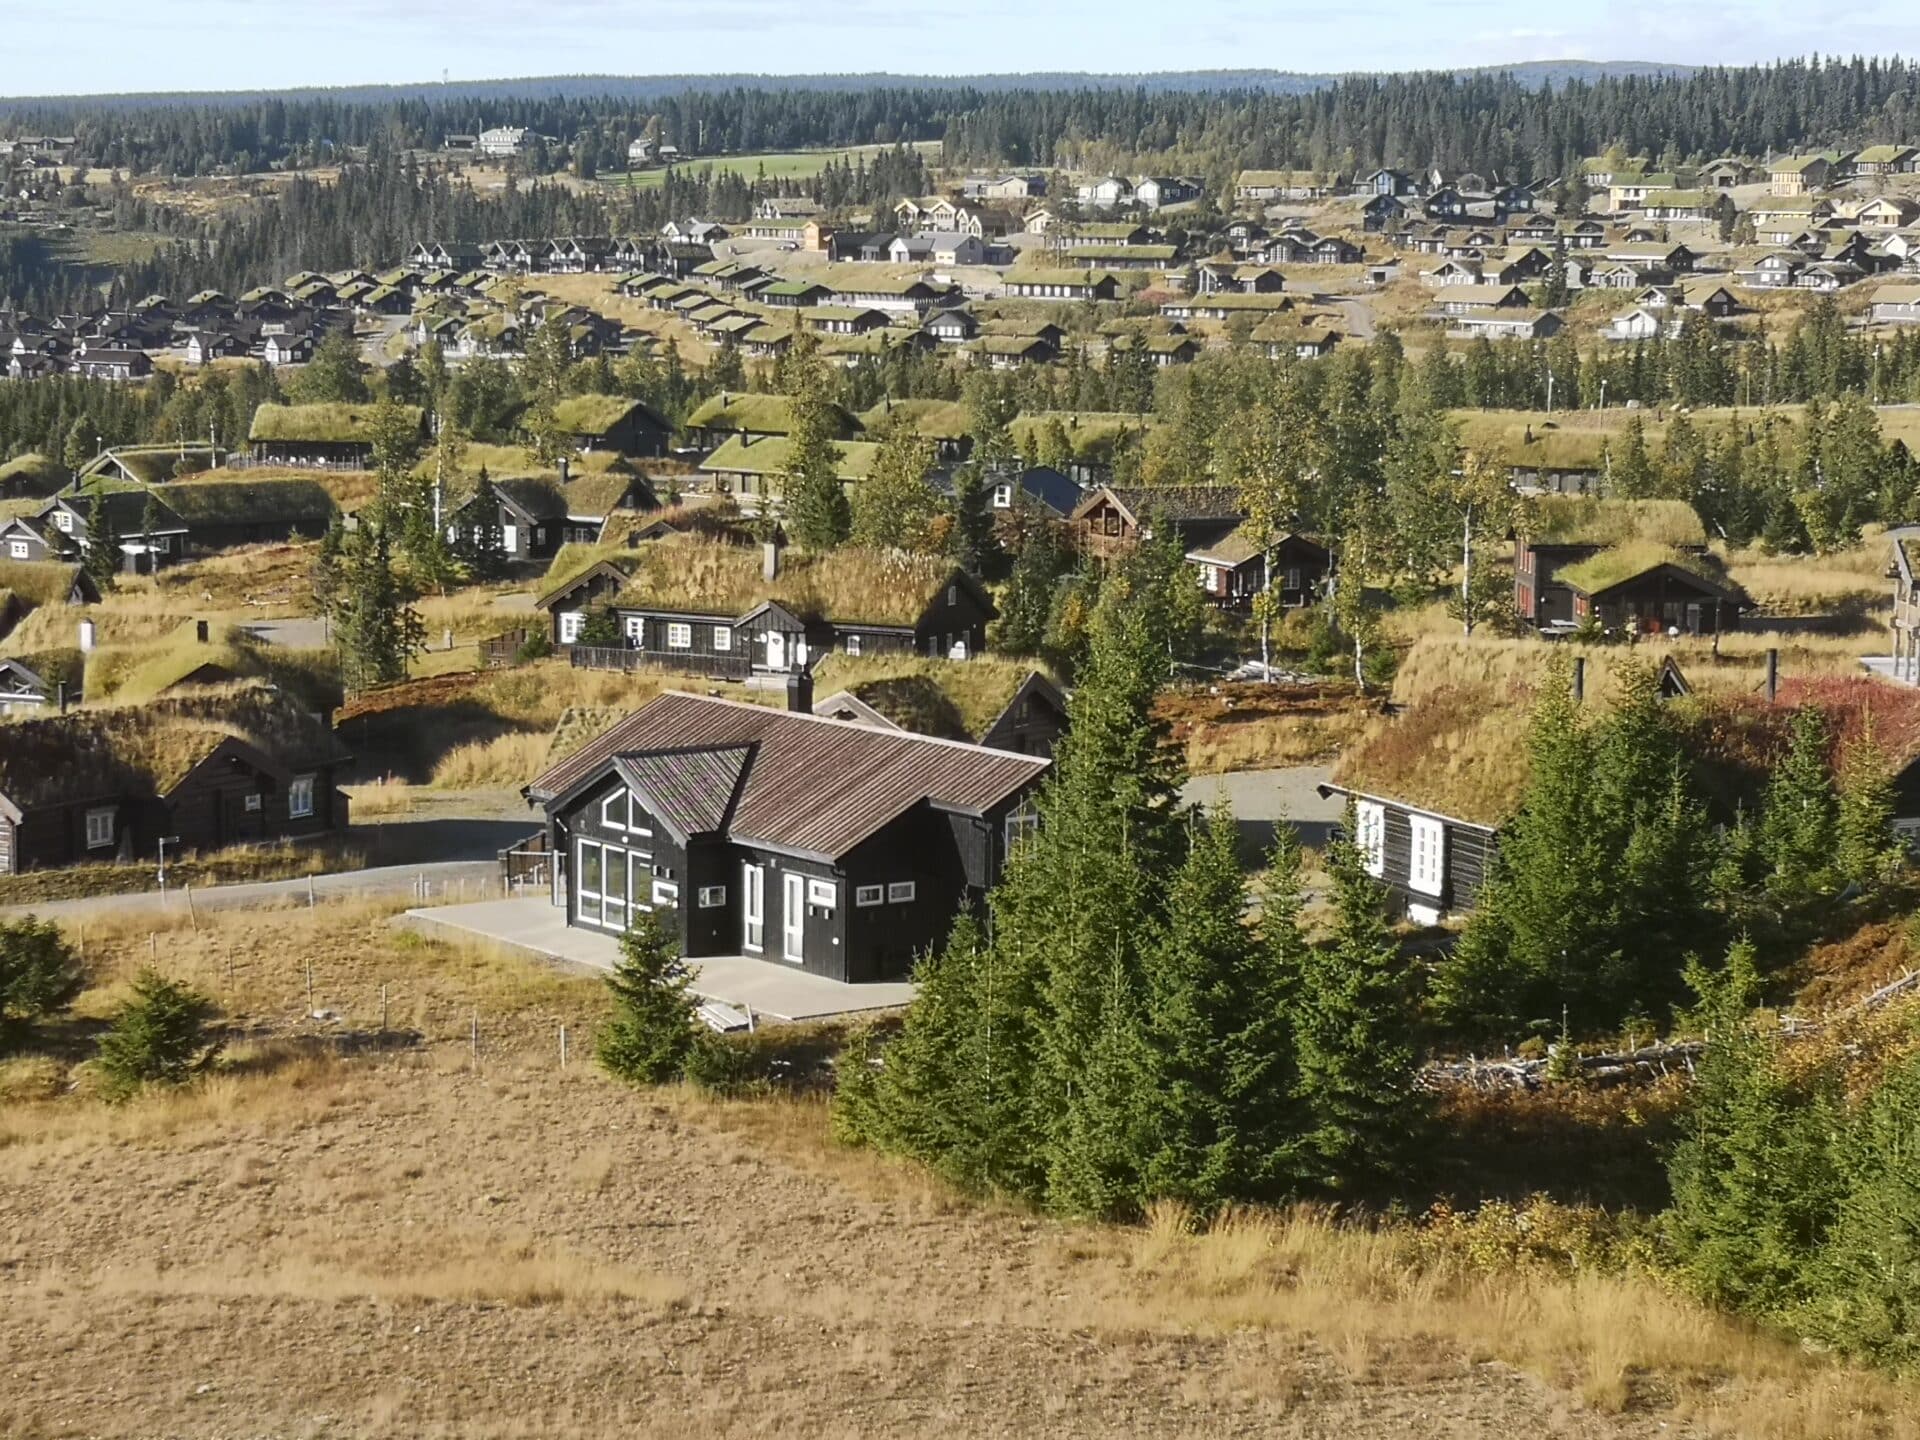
(342, 1237)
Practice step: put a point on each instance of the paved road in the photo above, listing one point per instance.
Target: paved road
(1261, 799)
(452, 880)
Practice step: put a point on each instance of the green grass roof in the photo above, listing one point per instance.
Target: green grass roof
(768, 456)
(597, 414)
(935, 419)
(237, 502)
(1580, 520)
(38, 582)
(1042, 275)
(758, 415)
(337, 424)
(1621, 563)
(706, 577)
(32, 474)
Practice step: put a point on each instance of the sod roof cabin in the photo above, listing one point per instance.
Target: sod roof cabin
(1644, 588)
(945, 422)
(705, 604)
(1006, 704)
(32, 474)
(613, 422)
(1112, 519)
(239, 765)
(1093, 437)
(750, 465)
(200, 653)
(1557, 532)
(47, 582)
(150, 464)
(737, 413)
(335, 433)
(223, 513)
(538, 515)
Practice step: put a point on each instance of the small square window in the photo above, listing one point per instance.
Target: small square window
(679, 636)
(666, 893)
(712, 897)
(62, 520)
(869, 894)
(900, 892)
(823, 893)
(853, 644)
(100, 828)
(252, 803)
(1002, 497)
(569, 627)
(19, 549)
(722, 639)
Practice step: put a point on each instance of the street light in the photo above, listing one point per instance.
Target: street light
(165, 840)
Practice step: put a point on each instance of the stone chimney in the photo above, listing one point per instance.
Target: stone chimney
(770, 560)
(566, 465)
(200, 631)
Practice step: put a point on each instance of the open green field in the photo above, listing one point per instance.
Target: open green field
(777, 165)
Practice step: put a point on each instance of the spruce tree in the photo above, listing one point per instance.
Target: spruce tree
(375, 630)
(482, 544)
(1217, 1071)
(1753, 1179)
(1867, 850)
(971, 539)
(102, 559)
(651, 1033)
(39, 975)
(158, 1037)
(1800, 814)
(1353, 1041)
(1867, 1276)
(1043, 561)
(814, 501)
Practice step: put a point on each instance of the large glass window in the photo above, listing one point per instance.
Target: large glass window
(1370, 836)
(1427, 867)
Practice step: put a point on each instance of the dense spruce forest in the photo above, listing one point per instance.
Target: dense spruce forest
(1523, 123)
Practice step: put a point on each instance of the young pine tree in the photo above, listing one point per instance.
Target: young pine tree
(159, 1037)
(102, 559)
(814, 502)
(651, 1033)
(1353, 1041)
(1867, 850)
(39, 975)
(1800, 815)
(1753, 1179)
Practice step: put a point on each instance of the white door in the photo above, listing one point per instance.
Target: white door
(753, 908)
(510, 537)
(793, 916)
(776, 650)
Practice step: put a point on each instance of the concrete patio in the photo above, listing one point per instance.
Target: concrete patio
(770, 990)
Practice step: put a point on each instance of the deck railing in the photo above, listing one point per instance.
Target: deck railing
(618, 657)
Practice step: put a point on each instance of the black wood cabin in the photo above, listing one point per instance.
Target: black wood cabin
(842, 850)
(1233, 570)
(78, 789)
(770, 637)
(1433, 864)
(1663, 599)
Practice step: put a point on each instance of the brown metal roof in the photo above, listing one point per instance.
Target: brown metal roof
(692, 790)
(812, 784)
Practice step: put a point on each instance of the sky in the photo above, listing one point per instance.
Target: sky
(106, 46)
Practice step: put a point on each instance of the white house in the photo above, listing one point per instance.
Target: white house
(502, 141)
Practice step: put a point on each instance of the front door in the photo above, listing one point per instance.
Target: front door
(793, 916)
(753, 908)
(776, 650)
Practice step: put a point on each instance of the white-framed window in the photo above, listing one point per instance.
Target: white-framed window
(19, 549)
(509, 536)
(864, 895)
(1002, 497)
(712, 897)
(900, 892)
(100, 828)
(252, 803)
(666, 893)
(636, 630)
(853, 644)
(300, 797)
(613, 810)
(823, 893)
(63, 520)
(1427, 868)
(722, 639)
(679, 636)
(1370, 836)
(569, 626)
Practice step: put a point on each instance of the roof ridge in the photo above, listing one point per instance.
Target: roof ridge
(828, 720)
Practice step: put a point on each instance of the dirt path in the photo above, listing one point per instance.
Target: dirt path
(398, 1248)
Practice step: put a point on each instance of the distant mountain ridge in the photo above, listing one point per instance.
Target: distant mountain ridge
(643, 87)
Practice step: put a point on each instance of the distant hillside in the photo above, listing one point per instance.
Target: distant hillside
(648, 87)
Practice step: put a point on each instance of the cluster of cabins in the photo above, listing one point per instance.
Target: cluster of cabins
(270, 325)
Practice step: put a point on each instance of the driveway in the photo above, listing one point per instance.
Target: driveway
(1263, 799)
